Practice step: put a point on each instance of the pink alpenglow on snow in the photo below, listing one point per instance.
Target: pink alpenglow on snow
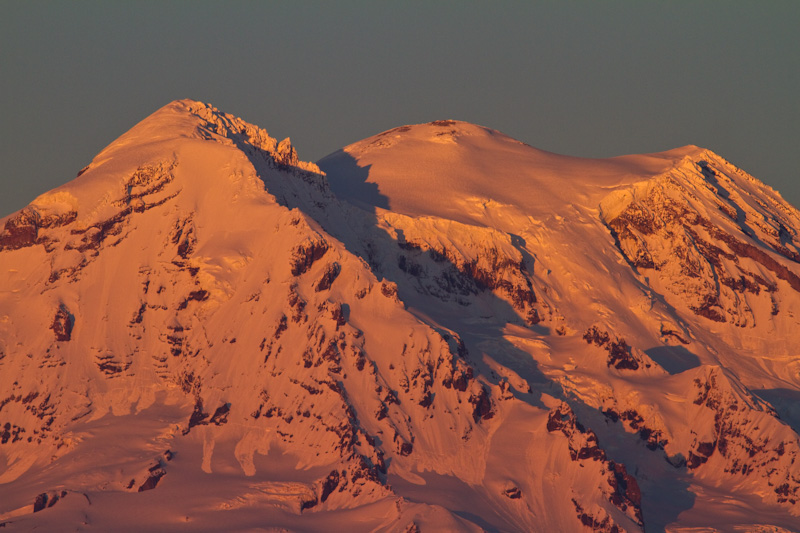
(438, 328)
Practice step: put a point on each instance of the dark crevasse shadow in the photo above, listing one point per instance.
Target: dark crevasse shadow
(786, 403)
(673, 359)
(428, 281)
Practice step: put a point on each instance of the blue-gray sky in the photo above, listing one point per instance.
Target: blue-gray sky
(582, 78)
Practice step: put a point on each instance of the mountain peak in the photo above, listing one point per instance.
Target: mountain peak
(188, 119)
(180, 148)
(412, 167)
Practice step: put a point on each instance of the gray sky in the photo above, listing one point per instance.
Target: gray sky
(586, 78)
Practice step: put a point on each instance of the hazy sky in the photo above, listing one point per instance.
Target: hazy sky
(581, 78)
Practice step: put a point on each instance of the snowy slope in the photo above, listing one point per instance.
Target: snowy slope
(436, 329)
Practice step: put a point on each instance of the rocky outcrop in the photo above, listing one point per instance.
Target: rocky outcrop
(620, 355)
(623, 490)
(306, 254)
(746, 440)
(285, 154)
(47, 499)
(481, 405)
(156, 472)
(62, 324)
(23, 229)
(200, 417)
(110, 366)
(599, 524)
(467, 262)
(145, 181)
(328, 276)
(719, 271)
(20, 231)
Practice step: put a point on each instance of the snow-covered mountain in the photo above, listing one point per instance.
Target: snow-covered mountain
(437, 328)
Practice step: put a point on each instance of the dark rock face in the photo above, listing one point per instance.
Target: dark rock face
(139, 315)
(350, 479)
(175, 339)
(606, 525)
(328, 277)
(329, 485)
(285, 154)
(147, 180)
(708, 257)
(11, 433)
(305, 255)
(308, 504)
(40, 502)
(654, 438)
(596, 336)
(445, 273)
(156, 473)
(220, 416)
(44, 411)
(63, 322)
(626, 490)
(46, 500)
(200, 295)
(110, 366)
(700, 455)
(198, 416)
(583, 444)
(620, 355)
(184, 236)
(403, 446)
(737, 444)
(20, 231)
(389, 289)
(481, 405)
(97, 234)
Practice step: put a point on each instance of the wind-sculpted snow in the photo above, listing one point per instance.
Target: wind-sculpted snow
(448, 331)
